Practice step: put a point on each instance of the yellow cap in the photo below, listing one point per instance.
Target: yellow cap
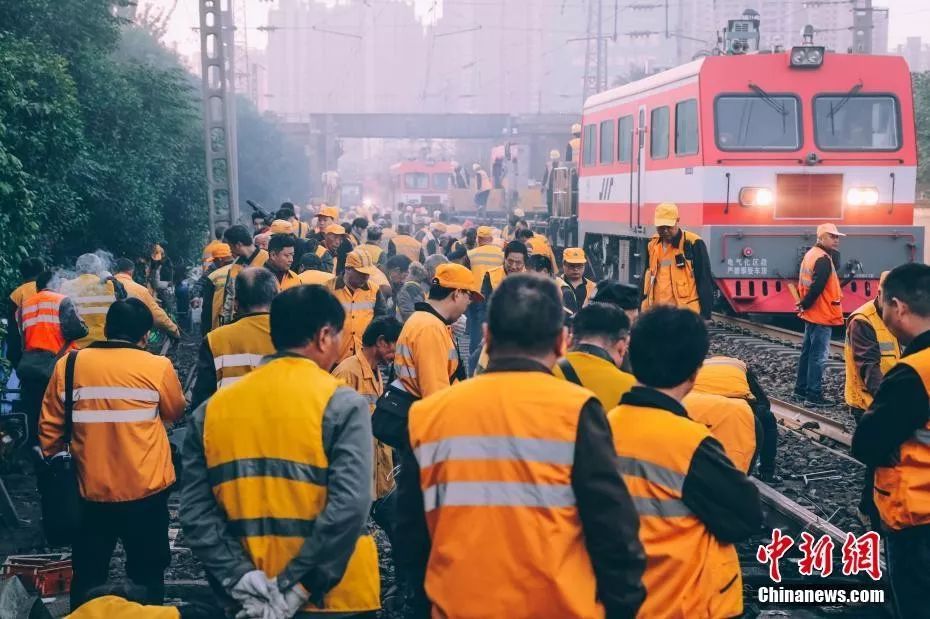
(574, 255)
(457, 277)
(361, 262)
(329, 211)
(221, 250)
(334, 229)
(281, 226)
(438, 226)
(485, 232)
(666, 214)
(828, 229)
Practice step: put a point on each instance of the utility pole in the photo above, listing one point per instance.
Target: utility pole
(218, 88)
(595, 58)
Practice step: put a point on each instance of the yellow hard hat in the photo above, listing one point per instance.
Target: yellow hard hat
(576, 128)
(554, 155)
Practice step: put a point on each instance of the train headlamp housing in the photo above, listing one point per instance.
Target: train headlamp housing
(862, 196)
(762, 197)
(806, 56)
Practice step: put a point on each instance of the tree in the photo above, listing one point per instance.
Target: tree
(921, 83)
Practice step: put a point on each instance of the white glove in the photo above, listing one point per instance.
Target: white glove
(253, 608)
(295, 598)
(256, 585)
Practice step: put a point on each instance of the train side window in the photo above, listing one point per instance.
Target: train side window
(686, 128)
(607, 142)
(625, 139)
(658, 133)
(589, 147)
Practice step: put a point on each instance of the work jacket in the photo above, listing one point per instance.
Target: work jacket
(882, 354)
(123, 396)
(405, 245)
(160, 316)
(115, 607)
(214, 293)
(671, 278)
(484, 258)
(539, 245)
(730, 420)
(669, 463)
(827, 308)
(318, 278)
(574, 298)
(48, 321)
(14, 344)
(591, 367)
(361, 306)
(279, 480)
(356, 372)
(258, 258)
(285, 280)
(373, 251)
(22, 292)
(508, 492)
(230, 352)
(726, 376)
(492, 279)
(92, 296)
(426, 359)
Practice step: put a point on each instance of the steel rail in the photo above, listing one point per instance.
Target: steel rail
(809, 422)
(771, 331)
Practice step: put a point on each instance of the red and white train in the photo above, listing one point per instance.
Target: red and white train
(422, 183)
(756, 150)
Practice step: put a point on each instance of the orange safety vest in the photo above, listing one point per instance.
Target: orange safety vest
(238, 348)
(406, 245)
(730, 420)
(40, 324)
(726, 376)
(689, 573)
(499, 503)
(428, 339)
(856, 394)
(484, 258)
(373, 251)
(318, 278)
(359, 305)
(827, 308)
(590, 289)
(902, 491)
(666, 283)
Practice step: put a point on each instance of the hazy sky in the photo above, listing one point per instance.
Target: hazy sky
(908, 18)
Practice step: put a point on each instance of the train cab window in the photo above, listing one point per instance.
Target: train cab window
(625, 139)
(607, 142)
(857, 122)
(658, 133)
(416, 180)
(752, 122)
(686, 128)
(589, 146)
(442, 181)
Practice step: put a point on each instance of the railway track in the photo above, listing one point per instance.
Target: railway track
(810, 423)
(769, 332)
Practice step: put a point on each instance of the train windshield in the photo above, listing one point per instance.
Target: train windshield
(857, 122)
(416, 180)
(442, 181)
(757, 122)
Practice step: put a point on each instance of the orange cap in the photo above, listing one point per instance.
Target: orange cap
(281, 226)
(220, 250)
(574, 255)
(457, 277)
(334, 229)
(361, 262)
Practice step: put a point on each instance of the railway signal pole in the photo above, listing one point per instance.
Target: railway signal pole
(218, 88)
(595, 59)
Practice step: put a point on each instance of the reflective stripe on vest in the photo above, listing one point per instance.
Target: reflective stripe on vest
(359, 305)
(239, 348)
(655, 448)
(39, 322)
(827, 308)
(114, 413)
(92, 299)
(665, 282)
(902, 491)
(268, 468)
(855, 392)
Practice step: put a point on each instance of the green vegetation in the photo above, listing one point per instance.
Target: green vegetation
(921, 83)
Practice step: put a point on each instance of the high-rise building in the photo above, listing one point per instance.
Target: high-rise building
(917, 54)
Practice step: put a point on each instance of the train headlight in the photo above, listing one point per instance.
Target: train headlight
(368, 202)
(756, 196)
(806, 57)
(862, 196)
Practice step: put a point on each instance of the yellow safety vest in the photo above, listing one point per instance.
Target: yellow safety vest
(483, 259)
(730, 420)
(667, 283)
(238, 348)
(273, 514)
(359, 305)
(726, 376)
(92, 297)
(856, 394)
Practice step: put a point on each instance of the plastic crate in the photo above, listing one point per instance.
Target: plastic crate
(47, 575)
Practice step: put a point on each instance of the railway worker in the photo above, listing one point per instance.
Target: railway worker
(93, 291)
(29, 270)
(573, 148)
(483, 258)
(122, 397)
(280, 258)
(600, 338)
(361, 372)
(515, 257)
(372, 245)
(405, 245)
(325, 217)
(514, 222)
(546, 522)
(358, 232)
(482, 187)
(415, 289)
(577, 289)
(548, 180)
(537, 263)
(693, 503)
(678, 266)
(820, 307)
(361, 300)
(536, 244)
(312, 271)
(247, 254)
(311, 443)
(288, 213)
(213, 287)
(259, 223)
(49, 325)
(215, 242)
(230, 352)
(432, 242)
(162, 321)
(731, 378)
(892, 437)
(336, 246)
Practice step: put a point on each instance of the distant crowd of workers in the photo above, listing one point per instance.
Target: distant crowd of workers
(532, 443)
